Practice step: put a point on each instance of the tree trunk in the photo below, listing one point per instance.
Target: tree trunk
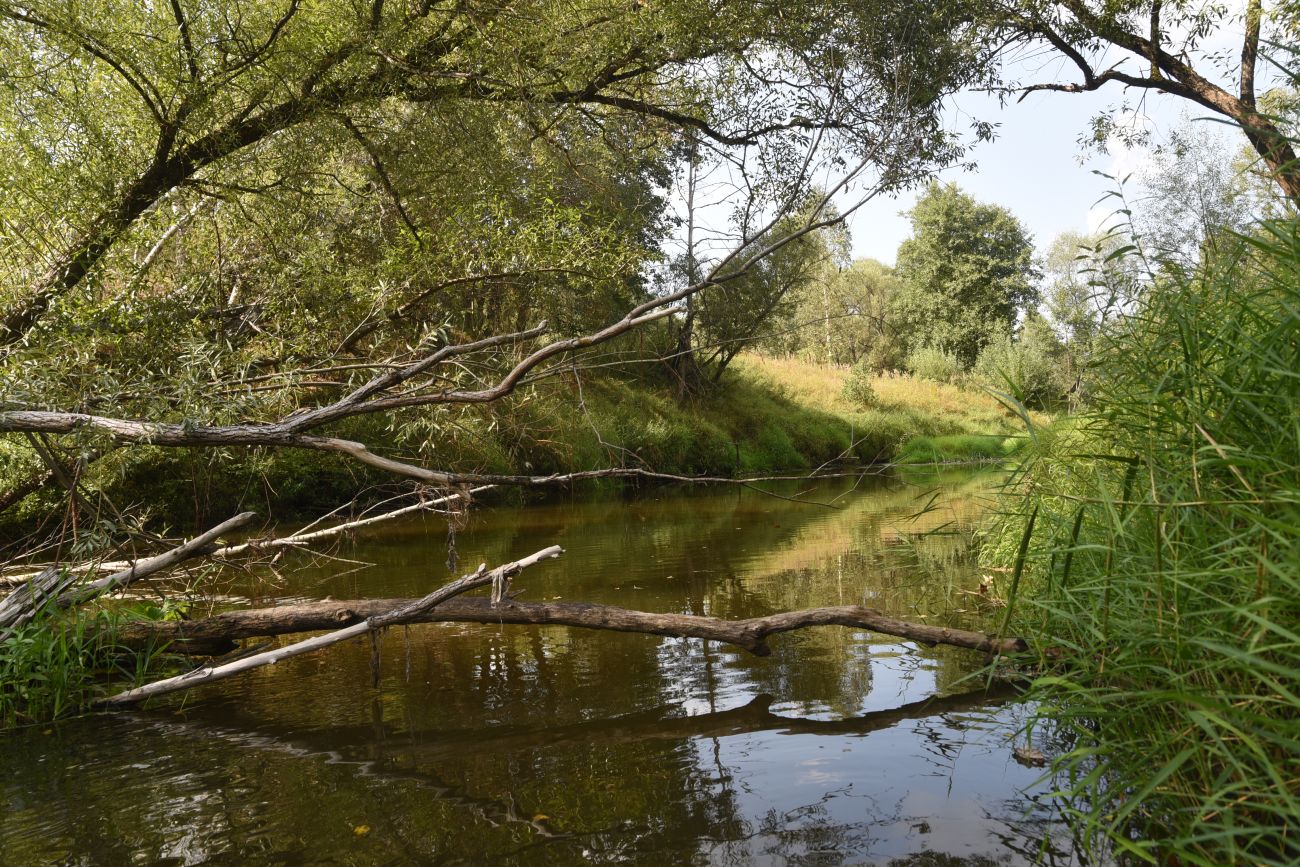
(750, 634)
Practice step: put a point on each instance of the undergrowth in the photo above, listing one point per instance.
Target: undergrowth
(60, 661)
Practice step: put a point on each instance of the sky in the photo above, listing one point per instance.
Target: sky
(1033, 168)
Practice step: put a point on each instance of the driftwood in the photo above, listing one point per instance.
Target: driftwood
(21, 606)
(53, 585)
(499, 579)
(215, 633)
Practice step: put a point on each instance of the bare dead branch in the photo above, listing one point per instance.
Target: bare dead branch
(304, 539)
(195, 547)
(407, 612)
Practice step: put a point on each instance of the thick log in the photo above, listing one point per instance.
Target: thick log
(499, 578)
(748, 634)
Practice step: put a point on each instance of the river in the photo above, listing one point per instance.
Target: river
(546, 745)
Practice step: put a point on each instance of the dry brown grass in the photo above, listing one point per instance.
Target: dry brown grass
(821, 387)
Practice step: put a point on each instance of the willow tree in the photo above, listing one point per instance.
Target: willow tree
(1169, 48)
(243, 224)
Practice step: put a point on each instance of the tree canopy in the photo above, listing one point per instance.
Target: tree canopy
(964, 275)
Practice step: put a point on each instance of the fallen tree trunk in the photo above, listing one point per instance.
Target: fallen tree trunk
(408, 612)
(215, 633)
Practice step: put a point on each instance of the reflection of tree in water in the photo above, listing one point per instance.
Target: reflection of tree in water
(594, 790)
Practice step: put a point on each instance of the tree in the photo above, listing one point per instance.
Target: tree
(736, 315)
(839, 316)
(1196, 197)
(1154, 46)
(965, 274)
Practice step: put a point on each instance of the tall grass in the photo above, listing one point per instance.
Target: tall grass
(60, 661)
(1162, 584)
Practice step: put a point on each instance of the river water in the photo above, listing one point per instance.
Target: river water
(546, 745)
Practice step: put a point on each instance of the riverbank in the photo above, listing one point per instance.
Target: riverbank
(765, 415)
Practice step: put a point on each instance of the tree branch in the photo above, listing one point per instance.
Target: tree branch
(1250, 52)
(191, 61)
(384, 178)
(407, 612)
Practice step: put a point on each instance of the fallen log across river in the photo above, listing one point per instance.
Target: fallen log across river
(352, 619)
(216, 633)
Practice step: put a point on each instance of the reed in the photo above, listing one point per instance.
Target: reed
(56, 664)
(1162, 582)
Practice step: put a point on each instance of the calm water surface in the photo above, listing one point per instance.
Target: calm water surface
(520, 745)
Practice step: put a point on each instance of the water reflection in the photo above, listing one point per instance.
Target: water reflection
(544, 745)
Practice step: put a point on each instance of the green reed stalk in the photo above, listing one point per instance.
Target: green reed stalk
(1175, 713)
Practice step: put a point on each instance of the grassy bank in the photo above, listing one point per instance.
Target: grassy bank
(766, 415)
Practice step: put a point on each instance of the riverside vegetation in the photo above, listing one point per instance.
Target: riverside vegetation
(308, 260)
(1161, 582)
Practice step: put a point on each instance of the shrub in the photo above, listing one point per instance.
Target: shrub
(885, 352)
(858, 388)
(929, 362)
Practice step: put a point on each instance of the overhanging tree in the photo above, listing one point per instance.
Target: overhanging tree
(1164, 47)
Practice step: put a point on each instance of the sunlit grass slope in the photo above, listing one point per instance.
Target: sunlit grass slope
(766, 415)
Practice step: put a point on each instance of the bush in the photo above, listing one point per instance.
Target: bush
(1024, 368)
(858, 388)
(929, 362)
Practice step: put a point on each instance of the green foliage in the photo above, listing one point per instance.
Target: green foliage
(965, 274)
(930, 362)
(734, 314)
(1165, 569)
(1029, 368)
(221, 214)
(839, 317)
(58, 662)
(858, 388)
